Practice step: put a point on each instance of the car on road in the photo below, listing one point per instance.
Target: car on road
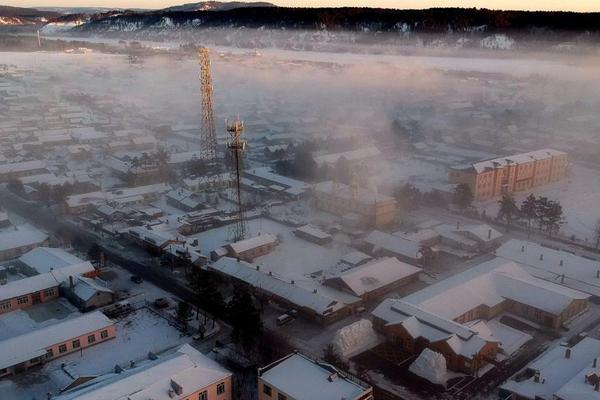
(161, 302)
(136, 279)
(284, 319)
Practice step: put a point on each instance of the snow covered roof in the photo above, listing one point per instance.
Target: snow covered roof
(393, 244)
(21, 167)
(34, 343)
(187, 368)
(43, 259)
(288, 185)
(355, 258)
(302, 378)
(353, 155)
(156, 238)
(86, 288)
(47, 280)
(561, 376)
(102, 196)
(480, 232)
(253, 242)
(24, 235)
(313, 231)
(522, 158)
(292, 292)
(420, 323)
(545, 263)
(374, 275)
(489, 284)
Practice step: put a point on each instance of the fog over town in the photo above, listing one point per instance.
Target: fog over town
(225, 201)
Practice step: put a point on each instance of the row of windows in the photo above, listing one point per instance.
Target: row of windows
(75, 344)
(23, 300)
(5, 305)
(49, 292)
(269, 392)
(220, 390)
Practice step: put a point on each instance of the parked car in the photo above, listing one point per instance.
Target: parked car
(136, 279)
(161, 302)
(284, 319)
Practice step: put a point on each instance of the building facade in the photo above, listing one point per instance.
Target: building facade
(298, 377)
(340, 199)
(521, 172)
(22, 352)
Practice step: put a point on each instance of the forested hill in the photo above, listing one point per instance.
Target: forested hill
(436, 20)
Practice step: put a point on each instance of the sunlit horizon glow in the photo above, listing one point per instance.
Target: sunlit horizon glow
(550, 5)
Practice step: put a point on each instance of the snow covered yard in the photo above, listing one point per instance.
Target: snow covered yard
(137, 334)
(579, 196)
(18, 322)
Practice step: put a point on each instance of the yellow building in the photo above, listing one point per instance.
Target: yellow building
(517, 173)
(371, 207)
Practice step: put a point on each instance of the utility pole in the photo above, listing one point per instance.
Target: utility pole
(236, 146)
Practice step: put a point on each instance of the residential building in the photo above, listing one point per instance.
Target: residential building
(354, 203)
(560, 373)
(554, 265)
(496, 286)
(517, 173)
(185, 374)
(18, 241)
(251, 248)
(19, 353)
(88, 293)
(40, 288)
(372, 280)
(362, 154)
(382, 244)
(412, 328)
(20, 169)
(313, 234)
(298, 377)
(185, 200)
(317, 304)
(43, 259)
(79, 203)
(275, 184)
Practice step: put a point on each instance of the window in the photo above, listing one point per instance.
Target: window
(49, 292)
(5, 305)
(221, 388)
(76, 344)
(104, 334)
(203, 395)
(49, 353)
(62, 348)
(91, 338)
(23, 300)
(281, 396)
(267, 390)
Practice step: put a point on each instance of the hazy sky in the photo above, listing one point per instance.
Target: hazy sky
(571, 5)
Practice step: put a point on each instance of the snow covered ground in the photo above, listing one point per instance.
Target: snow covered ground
(18, 322)
(579, 196)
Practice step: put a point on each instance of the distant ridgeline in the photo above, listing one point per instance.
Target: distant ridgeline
(435, 20)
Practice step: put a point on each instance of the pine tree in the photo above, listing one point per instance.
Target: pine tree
(529, 209)
(508, 211)
(463, 196)
(244, 318)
